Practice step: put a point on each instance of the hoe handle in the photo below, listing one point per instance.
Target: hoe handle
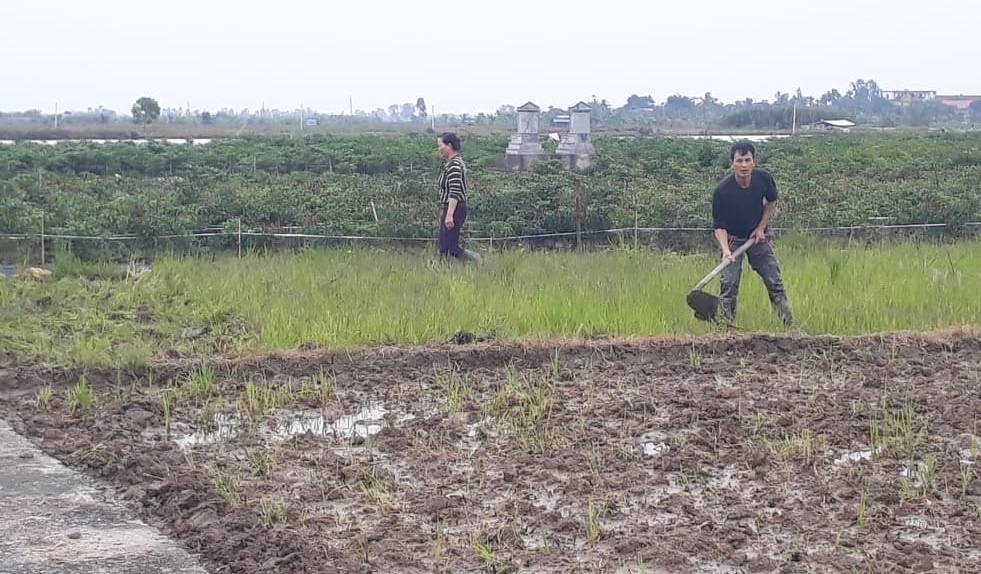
(722, 265)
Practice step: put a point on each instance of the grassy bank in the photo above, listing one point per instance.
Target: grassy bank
(336, 298)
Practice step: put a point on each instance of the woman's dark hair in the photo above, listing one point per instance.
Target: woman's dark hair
(451, 139)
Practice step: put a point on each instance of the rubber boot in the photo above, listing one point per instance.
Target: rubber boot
(727, 311)
(782, 307)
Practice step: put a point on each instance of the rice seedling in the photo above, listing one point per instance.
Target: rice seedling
(525, 405)
(483, 551)
(967, 475)
(261, 397)
(272, 512)
(81, 397)
(897, 432)
(225, 486)
(694, 357)
(804, 446)
(43, 398)
(454, 387)
(862, 510)
(927, 473)
(593, 531)
(167, 397)
(325, 387)
(199, 384)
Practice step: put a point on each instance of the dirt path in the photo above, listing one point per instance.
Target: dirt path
(752, 453)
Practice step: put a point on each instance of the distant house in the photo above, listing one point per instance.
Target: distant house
(312, 122)
(561, 120)
(960, 102)
(834, 125)
(907, 97)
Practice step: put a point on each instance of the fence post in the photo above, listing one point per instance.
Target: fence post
(636, 223)
(636, 208)
(42, 240)
(579, 211)
(239, 237)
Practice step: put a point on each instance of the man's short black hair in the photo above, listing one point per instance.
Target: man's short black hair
(742, 147)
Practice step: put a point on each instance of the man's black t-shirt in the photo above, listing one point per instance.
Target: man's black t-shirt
(739, 210)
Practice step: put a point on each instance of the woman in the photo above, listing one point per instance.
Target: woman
(453, 197)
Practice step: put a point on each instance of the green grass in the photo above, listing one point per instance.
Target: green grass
(340, 298)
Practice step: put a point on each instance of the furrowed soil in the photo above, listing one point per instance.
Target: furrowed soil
(747, 453)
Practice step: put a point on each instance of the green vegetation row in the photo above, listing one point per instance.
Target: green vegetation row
(89, 314)
(385, 185)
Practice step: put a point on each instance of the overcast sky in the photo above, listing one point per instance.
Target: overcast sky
(471, 56)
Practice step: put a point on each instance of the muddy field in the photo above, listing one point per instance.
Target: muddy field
(719, 455)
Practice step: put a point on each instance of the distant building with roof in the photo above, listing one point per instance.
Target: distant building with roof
(961, 102)
(907, 97)
(833, 125)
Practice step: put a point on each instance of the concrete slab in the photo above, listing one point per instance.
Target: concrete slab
(54, 520)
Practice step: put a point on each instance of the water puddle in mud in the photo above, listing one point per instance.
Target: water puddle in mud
(222, 428)
(364, 423)
(855, 456)
(655, 449)
(968, 455)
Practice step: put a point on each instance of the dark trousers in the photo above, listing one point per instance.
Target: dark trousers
(449, 239)
(764, 261)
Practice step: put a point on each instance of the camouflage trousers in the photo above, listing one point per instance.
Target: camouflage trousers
(763, 260)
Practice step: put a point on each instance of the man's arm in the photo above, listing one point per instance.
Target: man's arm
(769, 206)
(722, 237)
(760, 232)
(718, 223)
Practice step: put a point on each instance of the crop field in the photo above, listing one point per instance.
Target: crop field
(328, 406)
(367, 410)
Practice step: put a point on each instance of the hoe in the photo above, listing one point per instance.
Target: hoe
(706, 305)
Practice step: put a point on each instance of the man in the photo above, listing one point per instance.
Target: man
(742, 206)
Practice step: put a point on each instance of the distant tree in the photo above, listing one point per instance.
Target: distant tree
(144, 111)
(406, 112)
(867, 97)
(927, 113)
(601, 109)
(679, 102)
(709, 101)
(975, 108)
(206, 118)
(830, 98)
(635, 102)
(864, 91)
(421, 107)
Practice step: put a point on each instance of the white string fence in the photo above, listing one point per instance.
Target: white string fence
(346, 237)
